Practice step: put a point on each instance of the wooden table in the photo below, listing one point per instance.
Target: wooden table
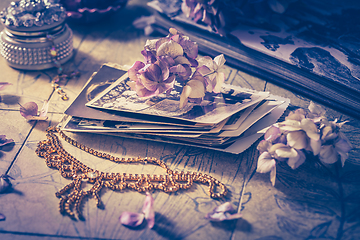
(306, 203)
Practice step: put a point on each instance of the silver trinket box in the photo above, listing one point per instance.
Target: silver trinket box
(36, 36)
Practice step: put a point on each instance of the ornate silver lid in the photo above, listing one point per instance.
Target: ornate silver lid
(32, 15)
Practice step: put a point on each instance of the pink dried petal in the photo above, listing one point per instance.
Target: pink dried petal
(2, 217)
(4, 141)
(149, 57)
(190, 48)
(44, 109)
(272, 134)
(223, 212)
(131, 219)
(134, 70)
(28, 109)
(3, 85)
(265, 163)
(148, 210)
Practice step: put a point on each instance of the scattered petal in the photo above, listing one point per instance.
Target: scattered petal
(4, 84)
(2, 217)
(131, 219)
(223, 212)
(148, 210)
(4, 141)
(44, 109)
(28, 109)
(5, 183)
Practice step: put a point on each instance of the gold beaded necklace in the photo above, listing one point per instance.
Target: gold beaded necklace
(72, 194)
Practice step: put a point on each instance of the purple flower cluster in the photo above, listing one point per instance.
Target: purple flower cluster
(303, 132)
(225, 14)
(173, 59)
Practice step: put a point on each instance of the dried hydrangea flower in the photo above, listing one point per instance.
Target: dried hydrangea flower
(303, 132)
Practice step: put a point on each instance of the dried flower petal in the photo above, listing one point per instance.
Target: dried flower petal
(273, 175)
(3, 85)
(328, 134)
(44, 109)
(315, 146)
(290, 125)
(219, 60)
(316, 109)
(170, 48)
(131, 219)
(148, 210)
(184, 95)
(328, 154)
(265, 163)
(263, 146)
(272, 134)
(134, 70)
(28, 109)
(223, 212)
(295, 162)
(190, 48)
(5, 183)
(297, 139)
(2, 217)
(4, 141)
(310, 128)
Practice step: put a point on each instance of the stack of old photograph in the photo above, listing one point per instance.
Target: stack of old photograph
(230, 121)
(310, 47)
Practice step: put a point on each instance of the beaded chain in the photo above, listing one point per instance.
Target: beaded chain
(72, 195)
(61, 75)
